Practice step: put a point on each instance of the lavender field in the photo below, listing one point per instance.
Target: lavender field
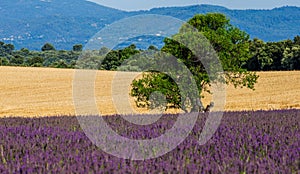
(245, 142)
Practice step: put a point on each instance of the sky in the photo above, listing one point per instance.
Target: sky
(131, 5)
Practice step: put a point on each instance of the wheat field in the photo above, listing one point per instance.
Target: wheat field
(32, 92)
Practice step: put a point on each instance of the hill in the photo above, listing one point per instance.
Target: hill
(31, 23)
(269, 25)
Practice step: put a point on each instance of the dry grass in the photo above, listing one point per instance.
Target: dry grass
(48, 92)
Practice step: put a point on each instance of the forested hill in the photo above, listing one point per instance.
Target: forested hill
(269, 25)
(32, 23)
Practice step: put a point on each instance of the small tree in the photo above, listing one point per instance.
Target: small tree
(59, 64)
(17, 60)
(152, 47)
(9, 48)
(3, 61)
(103, 51)
(297, 40)
(291, 59)
(36, 61)
(48, 47)
(77, 47)
(115, 58)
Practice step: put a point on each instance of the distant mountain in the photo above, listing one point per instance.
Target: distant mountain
(31, 23)
(269, 25)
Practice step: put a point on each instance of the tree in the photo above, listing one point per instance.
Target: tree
(48, 47)
(6, 49)
(254, 63)
(103, 51)
(59, 64)
(9, 48)
(264, 56)
(297, 40)
(152, 47)
(231, 45)
(24, 52)
(3, 61)
(291, 59)
(17, 60)
(77, 47)
(36, 61)
(115, 58)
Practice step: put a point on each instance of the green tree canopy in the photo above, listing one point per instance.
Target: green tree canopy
(230, 44)
(35, 61)
(115, 58)
(48, 47)
(3, 61)
(297, 40)
(77, 47)
(17, 60)
(291, 60)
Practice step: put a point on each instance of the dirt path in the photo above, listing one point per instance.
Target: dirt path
(48, 92)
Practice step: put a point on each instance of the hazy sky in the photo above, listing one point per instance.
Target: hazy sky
(130, 5)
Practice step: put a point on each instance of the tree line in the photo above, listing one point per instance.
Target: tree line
(275, 56)
(265, 56)
(50, 57)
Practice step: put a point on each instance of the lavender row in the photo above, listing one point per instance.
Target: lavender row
(245, 142)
